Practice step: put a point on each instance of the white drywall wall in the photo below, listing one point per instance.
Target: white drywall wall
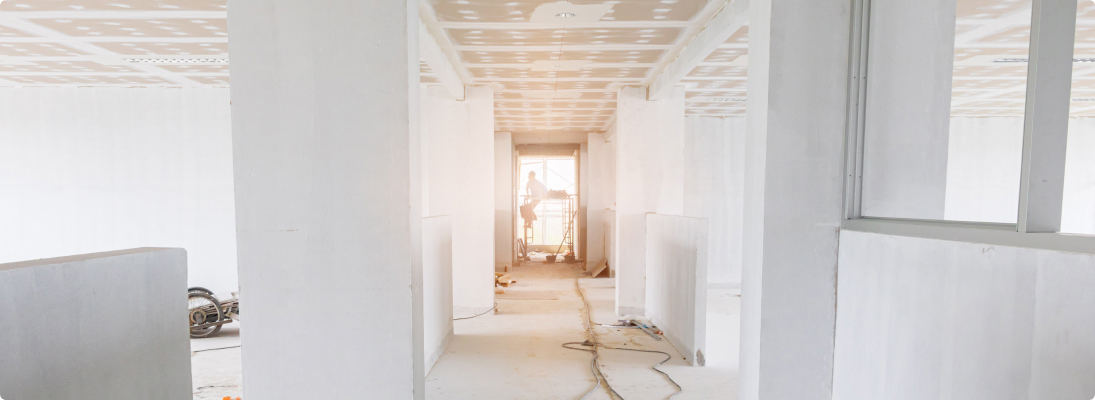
(322, 142)
(934, 319)
(444, 123)
(97, 169)
(908, 108)
(649, 179)
(95, 326)
(1078, 213)
(600, 187)
(503, 199)
(436, 286)
(676, 296)
(582, 241)
(714, 175)
(473, 207)
(798, 71)
(983, 167)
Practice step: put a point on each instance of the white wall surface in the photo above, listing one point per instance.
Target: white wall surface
(610, 239)
(1078, 213)
(676, 266)
(473, 207)
(714, 178)
(444, 122)
(96, 169)
(935, 319)
(503, 199)
(649, 179)
(983, 169)
(322, 143)
(908, 108)
(798, 71)
(600, 188)
(436, 286)
(95, 326)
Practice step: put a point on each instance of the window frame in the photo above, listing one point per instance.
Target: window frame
(1045, 133)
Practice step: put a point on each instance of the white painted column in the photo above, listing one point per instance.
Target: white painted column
(793, 197)
(905, 147)
(473, 211)
(649, 179)
(503, 200)
(321, 135)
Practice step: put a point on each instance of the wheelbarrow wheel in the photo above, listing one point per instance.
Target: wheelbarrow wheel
(204, 309)
(199, 289)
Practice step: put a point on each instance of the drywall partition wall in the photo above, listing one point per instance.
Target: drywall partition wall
(676, 290)
(601, 187)
(444, 123)
(983, 172)
(322, 143)
(95, 326)
(794, 175)
(436, 286)
(983, 163)
(923, 318)
(583, 201)
(473, 212)
(714, 176)
(503, 201)
(649, 179)
(905, 147)
(1078, 210)
(610, 239)
(97, 169)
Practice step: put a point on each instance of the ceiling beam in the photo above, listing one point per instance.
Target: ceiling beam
(133, 14)
(430, 53)
(565, 47)
(727, 21)
(518, 26)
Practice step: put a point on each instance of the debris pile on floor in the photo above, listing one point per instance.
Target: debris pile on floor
(501, 281)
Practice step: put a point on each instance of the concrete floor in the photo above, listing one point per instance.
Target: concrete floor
(518, 354)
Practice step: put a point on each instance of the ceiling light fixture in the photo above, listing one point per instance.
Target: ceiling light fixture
(572, 15)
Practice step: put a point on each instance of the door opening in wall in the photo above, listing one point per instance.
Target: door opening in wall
(547, 200)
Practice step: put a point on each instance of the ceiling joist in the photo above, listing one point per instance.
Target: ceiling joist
(727, 21)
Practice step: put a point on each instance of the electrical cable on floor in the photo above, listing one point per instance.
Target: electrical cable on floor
(595, 343)
(219, 348)
(473, 316)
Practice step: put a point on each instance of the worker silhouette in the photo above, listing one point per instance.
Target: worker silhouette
(535, 191)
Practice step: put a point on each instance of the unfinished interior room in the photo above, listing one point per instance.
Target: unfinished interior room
(547, 199)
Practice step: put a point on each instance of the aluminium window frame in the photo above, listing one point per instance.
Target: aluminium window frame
(1045, 134)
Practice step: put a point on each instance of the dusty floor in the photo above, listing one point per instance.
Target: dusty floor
(518, 354)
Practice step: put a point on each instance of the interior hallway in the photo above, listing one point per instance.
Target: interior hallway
(518, 354)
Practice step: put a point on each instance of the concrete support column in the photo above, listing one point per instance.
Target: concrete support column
(473, 211)
(649, 179)
(596, 197)
(798, 70)
(503, 200)
(324, 96)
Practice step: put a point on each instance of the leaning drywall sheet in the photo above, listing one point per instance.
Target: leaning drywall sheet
(96, 326)
(676, 286)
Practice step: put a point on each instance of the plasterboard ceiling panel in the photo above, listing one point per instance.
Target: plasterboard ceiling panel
(990, 9)
(519, 11)
(729, 93)
(700, 85)
(556, 104)
(211, 80)
(113, 5)
(539, 37)
(600, 56)
(709, 112)
(1019, 36)
(195, 69)
(166, 49)
(964, 54)
(725, 55)
(727, 105)
(212, 27)
(38, 50)
(488, 73)
(557, 85)
(719, 71)
(129, 80)
(1012, 70)
(12, 32)
(66, 66)
(583, 96)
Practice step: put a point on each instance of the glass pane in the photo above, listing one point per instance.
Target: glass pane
(944, 115)
(1078, 208)
(556, 173)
